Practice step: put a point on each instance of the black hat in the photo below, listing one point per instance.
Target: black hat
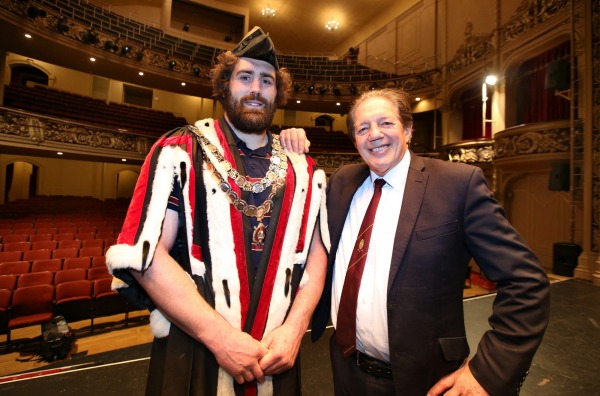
(257, 45)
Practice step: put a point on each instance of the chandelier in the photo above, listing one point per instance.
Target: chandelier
(332, 25)
(268, 12)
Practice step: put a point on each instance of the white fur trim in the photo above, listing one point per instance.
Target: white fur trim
(225, 383)
(117, 284)
(159, 324)
(266, 388)
(279, 301)
(318, 193)
(130, 256)
(221, 242)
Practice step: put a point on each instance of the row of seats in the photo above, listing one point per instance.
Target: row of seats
(50, 264)
(28, 247)
(74, 300)
(327, 141)
(14, 282)
(58, 253)
(64, 208)
(52, 235)
(91, 111)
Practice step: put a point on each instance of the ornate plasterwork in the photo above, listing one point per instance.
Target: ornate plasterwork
(329, 162)
(26, 129)
(472, 154)
(529, 14)
(552, 140)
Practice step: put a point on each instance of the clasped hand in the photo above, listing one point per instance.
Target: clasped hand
(247, 359)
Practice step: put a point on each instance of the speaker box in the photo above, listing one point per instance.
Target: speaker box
(558, 76)
(559, 177)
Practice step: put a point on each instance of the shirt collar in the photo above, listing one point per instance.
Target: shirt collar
(260, 152)
(396, 176)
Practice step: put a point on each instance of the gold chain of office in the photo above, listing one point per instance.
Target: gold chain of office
(274, 177)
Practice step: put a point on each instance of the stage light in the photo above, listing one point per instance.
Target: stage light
(139, 55)
(352, 89)
(90, 37)
(62, 25)
(337, 91)
(311, 89)
(172, 64)
(34, 12)
(196, 71)
(111, 46)
(125, 50)
(186, 27)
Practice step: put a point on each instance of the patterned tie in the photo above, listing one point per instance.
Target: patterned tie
(345, 332)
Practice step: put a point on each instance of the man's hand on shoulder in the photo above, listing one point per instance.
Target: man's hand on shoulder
(294, 140)
(459, 383)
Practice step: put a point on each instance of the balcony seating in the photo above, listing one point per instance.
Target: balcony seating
(86, 110)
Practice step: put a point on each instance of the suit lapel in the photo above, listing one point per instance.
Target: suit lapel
(411, 205)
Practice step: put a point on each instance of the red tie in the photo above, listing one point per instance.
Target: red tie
(345, 332)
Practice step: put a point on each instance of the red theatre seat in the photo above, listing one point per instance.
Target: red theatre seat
(74, 300)
(30, 306)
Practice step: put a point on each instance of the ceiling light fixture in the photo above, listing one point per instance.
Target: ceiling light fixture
(332, 25)
(92, 59)
(268, 12)
(27, 35)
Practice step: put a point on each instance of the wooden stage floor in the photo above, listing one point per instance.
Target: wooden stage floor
(567, 363)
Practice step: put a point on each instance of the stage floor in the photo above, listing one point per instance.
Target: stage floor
(567, 363)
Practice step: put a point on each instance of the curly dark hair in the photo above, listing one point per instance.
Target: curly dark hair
(221, 74)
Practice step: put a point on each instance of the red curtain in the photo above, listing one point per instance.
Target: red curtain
(536, 103)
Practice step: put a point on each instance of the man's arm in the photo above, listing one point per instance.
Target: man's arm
(284, 342)
(175, 294)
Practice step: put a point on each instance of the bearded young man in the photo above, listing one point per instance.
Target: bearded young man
(216, 241)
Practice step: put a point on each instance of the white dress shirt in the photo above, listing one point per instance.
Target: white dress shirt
(371, 312)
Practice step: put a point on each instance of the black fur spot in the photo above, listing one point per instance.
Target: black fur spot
(183, 174)
(145, 251)
(227, 293)
(320, 185)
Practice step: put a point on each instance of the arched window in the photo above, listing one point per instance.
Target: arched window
(21, 74)
(324, 121)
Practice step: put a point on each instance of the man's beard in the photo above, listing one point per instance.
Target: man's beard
(248, 120)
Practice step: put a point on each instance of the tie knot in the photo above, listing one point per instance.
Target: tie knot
(379, 183)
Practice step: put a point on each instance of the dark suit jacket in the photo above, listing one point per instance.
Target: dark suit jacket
(448, 216)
